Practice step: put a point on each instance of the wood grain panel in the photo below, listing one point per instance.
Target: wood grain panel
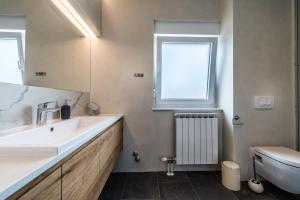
(49, 188)
(106, 171)
(80, 174)
(111, 144)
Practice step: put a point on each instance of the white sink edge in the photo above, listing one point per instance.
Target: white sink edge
(35, 149)
(17, 130)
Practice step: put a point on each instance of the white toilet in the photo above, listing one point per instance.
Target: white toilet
(279, 165)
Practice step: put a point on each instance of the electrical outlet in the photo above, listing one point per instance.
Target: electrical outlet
(138, 75)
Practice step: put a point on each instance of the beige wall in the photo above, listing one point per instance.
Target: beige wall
(126, 48)
(52, 46)
(225, 77)
(263, 65)
(255, 58)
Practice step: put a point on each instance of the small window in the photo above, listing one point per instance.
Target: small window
(12, 57)
(184, 74)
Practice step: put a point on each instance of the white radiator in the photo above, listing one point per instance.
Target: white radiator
(196, 138)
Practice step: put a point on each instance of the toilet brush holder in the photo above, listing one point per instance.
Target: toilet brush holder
(254, 184)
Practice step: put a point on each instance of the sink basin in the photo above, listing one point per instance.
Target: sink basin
(52, 139)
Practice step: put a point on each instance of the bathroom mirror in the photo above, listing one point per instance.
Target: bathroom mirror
(38, 47)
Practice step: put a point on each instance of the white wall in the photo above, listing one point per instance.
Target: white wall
(126, 48)
(263, 65)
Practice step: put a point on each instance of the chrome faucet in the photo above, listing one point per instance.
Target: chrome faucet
(43, 110)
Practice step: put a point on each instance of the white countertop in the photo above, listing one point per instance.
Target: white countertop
(16, 172)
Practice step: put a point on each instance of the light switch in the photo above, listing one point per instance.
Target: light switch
(264, 102)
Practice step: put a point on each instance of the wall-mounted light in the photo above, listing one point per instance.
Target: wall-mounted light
(68, 10)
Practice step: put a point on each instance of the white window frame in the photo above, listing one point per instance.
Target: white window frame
(18, 36)
(158, 102)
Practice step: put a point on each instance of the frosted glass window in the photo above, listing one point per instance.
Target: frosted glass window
(10, 68)
(185, 70)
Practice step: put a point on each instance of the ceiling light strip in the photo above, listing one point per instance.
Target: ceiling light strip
(67, 9)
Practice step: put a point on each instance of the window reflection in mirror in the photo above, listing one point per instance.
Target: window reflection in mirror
(56, 56)
(12, 56)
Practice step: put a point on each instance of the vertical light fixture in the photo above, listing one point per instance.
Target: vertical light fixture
(68, 10)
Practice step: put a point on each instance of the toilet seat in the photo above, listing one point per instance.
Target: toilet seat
(281, 154)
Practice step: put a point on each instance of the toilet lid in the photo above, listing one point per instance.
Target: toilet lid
(281, 154)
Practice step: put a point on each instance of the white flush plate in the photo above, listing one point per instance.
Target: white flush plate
(264, 102)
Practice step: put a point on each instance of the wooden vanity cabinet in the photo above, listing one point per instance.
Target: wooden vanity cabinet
(80, 176)
(85, 174)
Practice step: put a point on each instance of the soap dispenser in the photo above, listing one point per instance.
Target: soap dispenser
(65, 111)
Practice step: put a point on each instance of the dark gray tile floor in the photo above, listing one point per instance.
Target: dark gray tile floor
(182, 186)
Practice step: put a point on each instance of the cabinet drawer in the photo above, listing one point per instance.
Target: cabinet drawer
(80, 174)
(109, 140)
(111, 143)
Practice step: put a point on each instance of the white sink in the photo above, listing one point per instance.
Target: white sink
(51, 140)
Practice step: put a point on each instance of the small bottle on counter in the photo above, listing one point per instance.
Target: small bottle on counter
(65, 111)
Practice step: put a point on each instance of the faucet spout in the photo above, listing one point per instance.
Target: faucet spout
(43, 110)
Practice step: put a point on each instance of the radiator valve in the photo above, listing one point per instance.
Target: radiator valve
(170, 162)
